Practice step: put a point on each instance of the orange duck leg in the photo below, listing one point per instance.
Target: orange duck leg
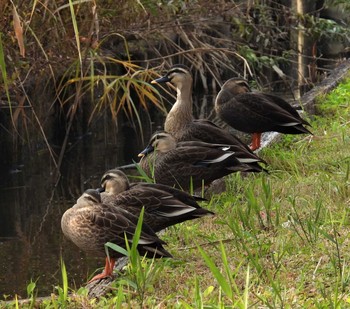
(256, 141)
(107, 272)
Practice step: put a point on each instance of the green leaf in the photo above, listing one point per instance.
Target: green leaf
(116, 248)
(217, 274)
(30, 289)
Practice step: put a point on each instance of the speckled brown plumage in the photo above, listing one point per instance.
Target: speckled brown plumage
(90, 224)
(164, 206)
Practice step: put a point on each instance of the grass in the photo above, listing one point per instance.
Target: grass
(277, 241)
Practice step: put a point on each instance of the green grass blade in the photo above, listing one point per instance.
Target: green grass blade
(198, 295)
(64, 280)
(144, 176)
(120, 297)
(246, 288)
(4, 73)
(76, 31)
(116, 248)
(16, 301)
(137, 234)
(217, 274)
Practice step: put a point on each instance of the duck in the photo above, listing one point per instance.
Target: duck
(182, 125)
(90, 224)
(189, 164)
(256, 112)
(163, 205)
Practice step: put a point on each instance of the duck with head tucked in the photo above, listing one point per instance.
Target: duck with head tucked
(163, 205)
(181, 124)
(190, 164)
(90, 224)
(256, 112)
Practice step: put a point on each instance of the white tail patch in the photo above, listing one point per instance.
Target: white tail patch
(143, 241)
(180, 210)
(289, 124)
(247, 160)
(167, 197)
(219, 159)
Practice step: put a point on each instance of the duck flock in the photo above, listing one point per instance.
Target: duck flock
(189, 153)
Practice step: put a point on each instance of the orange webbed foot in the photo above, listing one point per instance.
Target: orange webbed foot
(256, 141)
(107, 272)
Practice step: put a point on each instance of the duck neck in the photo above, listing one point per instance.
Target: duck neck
(181, 112)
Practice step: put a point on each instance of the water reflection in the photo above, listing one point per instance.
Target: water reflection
(32, 203)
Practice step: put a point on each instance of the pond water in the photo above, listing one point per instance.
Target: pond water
(32, 203)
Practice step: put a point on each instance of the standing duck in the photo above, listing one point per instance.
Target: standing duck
(90, 224)
(254, 112)
(164, 206)
(181, 124)
(190, 164)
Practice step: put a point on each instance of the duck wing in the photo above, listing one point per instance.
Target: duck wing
(250, 112)
(155, 201)
(286, 106)
(112, 224)
(163, 208)
(206, 131)
(178, 194)
(201, 164)
(91, 227)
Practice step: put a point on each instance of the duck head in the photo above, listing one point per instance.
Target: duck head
(178, 75)
(236, 85)
(90, 197)
(114, 182)
(160, 142)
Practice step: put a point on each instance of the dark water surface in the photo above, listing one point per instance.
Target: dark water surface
(31, 205)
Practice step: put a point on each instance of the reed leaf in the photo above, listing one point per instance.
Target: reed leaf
(76, 30)
(4, 74)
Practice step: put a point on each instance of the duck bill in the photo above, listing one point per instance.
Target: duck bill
(100, 190)
(160, 80)
(146, 151)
